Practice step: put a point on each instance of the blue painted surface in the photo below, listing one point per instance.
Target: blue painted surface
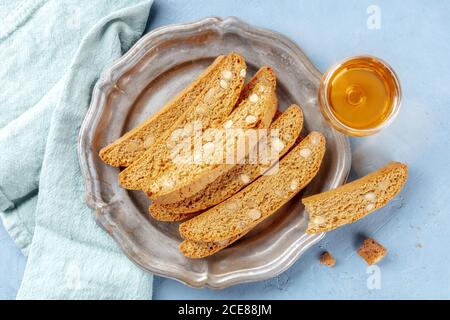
(415, 39)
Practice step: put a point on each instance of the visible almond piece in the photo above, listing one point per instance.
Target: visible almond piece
(254, 98)
(223, 84)
(250, 119)
(132, 146)
(315, 139)
(277, 144)
(168, 182)
(280, 193)
(228, 124)
(200, 110)
(318, 220)
(232, 206)
(223, 242)
(210, 95)
(241, 225)
(208, 147)
(149, 141)
(227, 74)
(254, 214)
(370, 197)
(305, 152)
(293, 185)
(245, 178)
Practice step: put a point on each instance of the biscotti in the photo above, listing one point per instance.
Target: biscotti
(256, 108)
(371, 251)
(354, 200)
(167, 216)
(262, 198)
(134, 143)
(198, 250)
(288, 125)
(213, 105)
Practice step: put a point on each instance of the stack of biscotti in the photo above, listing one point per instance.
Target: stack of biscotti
(289, 125)
(210, 108)
(190, 178)
(125, 150)
(219, 101)
(255, 110)
(225, 223)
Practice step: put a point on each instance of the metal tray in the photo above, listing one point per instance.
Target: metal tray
(158, 66)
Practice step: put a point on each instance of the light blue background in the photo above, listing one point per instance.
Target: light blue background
(415, 39)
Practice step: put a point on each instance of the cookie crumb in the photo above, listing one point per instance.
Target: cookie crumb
(371, 251)
(327, 259)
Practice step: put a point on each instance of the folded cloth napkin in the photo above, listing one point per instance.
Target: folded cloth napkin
(46, 89)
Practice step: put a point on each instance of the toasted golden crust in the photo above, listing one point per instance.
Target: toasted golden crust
(352, 201)
(371, 251)
(198, 250)
(262, 198)
(168, 216)
(289, 125)
(129, 147)
(211, 107)
(257, 106)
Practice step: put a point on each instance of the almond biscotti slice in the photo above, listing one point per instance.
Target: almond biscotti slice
(168, 216)
(211, 107)
(240, 213)
(354, 200)
(129, 147)
(198, 250)
(257, 106)
(289, 125)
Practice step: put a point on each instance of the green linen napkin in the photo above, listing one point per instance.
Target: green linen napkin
(52, 54)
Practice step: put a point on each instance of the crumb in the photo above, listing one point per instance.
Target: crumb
(372, 251)
(327, 259)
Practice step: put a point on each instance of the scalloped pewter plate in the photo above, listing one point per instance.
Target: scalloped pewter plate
(157, 67)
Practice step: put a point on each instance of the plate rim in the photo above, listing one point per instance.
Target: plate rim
(294, 251)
